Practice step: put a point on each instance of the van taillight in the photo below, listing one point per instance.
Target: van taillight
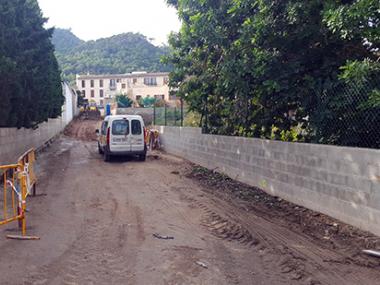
(108, 136)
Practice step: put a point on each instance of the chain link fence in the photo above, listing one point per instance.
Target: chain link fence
(168, 116)
(175, 116)
(348, 115)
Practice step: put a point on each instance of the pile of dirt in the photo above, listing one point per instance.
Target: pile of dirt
(324, 230)
(83, 128)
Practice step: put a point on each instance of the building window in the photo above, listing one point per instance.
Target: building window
(134, 80)
(84, 93)
(92, 83)
(150, 81)
(112, 84)
(159, 97)
(101, 93)
(92, 93)
(83, 84)
(101, 83)
(123, 86)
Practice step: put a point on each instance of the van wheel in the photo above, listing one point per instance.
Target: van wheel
(100, 149)
(106, 157)
(142, 157)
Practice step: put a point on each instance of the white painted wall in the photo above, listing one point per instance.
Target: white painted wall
(133, 83)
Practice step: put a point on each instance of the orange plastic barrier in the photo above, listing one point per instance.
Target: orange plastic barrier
(17, 182)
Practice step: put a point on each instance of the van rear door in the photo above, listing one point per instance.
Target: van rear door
(137, 135)
(103, 134)
(120, 140)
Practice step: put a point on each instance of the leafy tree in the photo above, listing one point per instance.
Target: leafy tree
(123, 101)
(147, 102)
(355, 19)
(30, 84)
(360, 91)
(261, 68)
(358, 20)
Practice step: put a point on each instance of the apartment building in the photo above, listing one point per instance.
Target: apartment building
(136, 85)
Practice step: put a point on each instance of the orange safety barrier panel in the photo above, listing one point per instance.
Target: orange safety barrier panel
(17, 181)
(26, 162)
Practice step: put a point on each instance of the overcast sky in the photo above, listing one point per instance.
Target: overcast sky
(94, 19)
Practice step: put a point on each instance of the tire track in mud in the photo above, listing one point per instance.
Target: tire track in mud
(230, 229)
(98, 255)
(219, 226)
(293, 256)
(226, 229)
(92, 259)
(83, 129)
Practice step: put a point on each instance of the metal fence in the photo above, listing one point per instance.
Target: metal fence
(169, 115)
(349, 115)
(346, 114)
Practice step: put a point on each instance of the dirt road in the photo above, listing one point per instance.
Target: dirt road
(106, 223)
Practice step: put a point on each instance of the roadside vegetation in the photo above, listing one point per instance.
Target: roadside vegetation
(123, 101)
(30, 83)
(289, 70)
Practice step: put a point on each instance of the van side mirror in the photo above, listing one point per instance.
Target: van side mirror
(97, 131)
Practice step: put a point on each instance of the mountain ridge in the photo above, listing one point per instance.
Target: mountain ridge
(122, 53)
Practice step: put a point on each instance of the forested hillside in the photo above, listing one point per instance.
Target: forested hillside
(118, 54)
(291, 70)
(64, 40)
(30, 83)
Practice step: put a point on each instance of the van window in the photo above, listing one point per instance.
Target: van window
(104, 128)
(136, 127)
(120, 127)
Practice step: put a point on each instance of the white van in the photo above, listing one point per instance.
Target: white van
(122, 135)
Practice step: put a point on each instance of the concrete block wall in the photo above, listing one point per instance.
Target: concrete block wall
(14, 142)
(341, 182)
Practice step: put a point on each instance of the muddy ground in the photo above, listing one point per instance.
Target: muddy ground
(84, 127)
(167, 221)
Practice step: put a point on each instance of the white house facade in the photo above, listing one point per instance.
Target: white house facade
(136, 85)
